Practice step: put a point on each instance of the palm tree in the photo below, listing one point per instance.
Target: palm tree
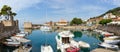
(6, 11)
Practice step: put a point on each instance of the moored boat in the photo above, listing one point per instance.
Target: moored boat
(46, 48)
(12, 43)
(45, 28)
(108, 34)
(110, 46)
(63, 40)
(84, 44)
(20, 35)
(112, 39)
(64, 37)
(66, 43)
(23, 32)
(23, 40)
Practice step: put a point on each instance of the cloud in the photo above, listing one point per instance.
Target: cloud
(66, 7)
(18, 5)
(83, 11)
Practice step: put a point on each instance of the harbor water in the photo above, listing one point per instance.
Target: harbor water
(39, 38)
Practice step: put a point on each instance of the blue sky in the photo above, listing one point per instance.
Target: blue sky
(36, 10)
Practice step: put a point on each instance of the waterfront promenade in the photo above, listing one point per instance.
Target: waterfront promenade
(78, 27)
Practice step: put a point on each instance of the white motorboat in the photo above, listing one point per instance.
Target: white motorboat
(64, 37)
(74, 43)
(45, 28)
(106, 45)
(84, 44)
(12, 43)
(112, 39)
(20, 35)
(46, 48)
(23, 32)
(65, 40)
(9, 40)
(23, 40)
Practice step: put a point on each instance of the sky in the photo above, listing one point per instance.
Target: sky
(41, 11)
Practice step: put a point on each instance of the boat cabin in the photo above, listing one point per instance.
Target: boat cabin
(65, 40)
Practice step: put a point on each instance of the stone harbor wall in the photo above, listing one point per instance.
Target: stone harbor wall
(7, 28)
(110, 28)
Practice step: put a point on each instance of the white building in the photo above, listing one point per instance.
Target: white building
(109, 16)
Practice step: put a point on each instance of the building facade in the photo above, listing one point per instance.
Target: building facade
(62, 23)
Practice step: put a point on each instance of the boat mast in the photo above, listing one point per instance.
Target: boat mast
(46, 21)
(46, 13)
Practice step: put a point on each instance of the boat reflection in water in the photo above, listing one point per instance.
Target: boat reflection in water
(77, 34)
(28, 30)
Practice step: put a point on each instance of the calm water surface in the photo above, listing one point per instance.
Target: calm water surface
(39, 38)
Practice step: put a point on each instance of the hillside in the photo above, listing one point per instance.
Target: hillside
(115, 11)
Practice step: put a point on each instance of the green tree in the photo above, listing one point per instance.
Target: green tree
(105, 21)
(76, 21)
(7, 13)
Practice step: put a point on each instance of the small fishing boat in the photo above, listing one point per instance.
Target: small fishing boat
(83, 44)
(13, 43)
(72, 49)
(21, 35)
(112, 39)
(108, 34)
(46, 48)
(23, 40)
(110, 46)
(23, 32)
(45, 28)
(9, 40)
